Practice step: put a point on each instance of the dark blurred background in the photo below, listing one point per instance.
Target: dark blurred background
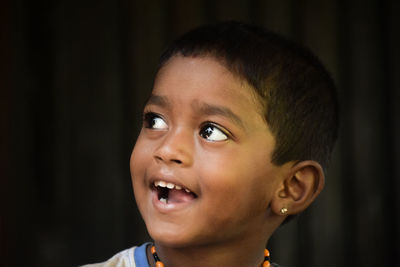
(74, 75)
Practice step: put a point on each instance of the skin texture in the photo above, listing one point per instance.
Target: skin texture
(239, 192)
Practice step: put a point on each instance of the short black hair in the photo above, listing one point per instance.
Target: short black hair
(297, 93)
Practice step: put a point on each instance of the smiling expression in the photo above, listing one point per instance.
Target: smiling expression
(201, 167)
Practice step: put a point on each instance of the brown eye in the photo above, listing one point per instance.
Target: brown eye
(154, 121)
(212, 133)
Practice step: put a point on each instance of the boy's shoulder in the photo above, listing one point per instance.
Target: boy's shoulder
(131, 257)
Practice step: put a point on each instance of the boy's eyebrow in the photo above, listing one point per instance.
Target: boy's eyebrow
(209, 109)
(158, 101)
(200, 107)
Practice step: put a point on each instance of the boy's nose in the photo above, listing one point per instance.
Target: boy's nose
(176, 148)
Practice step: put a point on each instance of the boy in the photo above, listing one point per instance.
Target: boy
(236, 134)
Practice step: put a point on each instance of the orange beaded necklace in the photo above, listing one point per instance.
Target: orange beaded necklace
(266, 262)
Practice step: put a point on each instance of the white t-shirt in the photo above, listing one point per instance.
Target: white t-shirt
(131, 257)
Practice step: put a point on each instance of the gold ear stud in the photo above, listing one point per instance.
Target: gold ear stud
(284, 210)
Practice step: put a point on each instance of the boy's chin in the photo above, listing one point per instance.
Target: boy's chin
(172, 239)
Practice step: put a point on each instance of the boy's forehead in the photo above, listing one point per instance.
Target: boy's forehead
(208, 75)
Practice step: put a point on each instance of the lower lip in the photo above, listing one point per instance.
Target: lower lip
(168, 207)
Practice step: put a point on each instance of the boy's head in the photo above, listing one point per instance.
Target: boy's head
(232, 135)
(297, 93)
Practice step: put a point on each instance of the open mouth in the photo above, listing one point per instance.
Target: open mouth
(171, 193)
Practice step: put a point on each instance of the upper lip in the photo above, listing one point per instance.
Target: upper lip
(169, 178)
(170, 185)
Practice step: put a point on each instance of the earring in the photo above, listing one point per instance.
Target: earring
(284, 210)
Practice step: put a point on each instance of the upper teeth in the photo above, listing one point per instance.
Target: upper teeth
(170, 185)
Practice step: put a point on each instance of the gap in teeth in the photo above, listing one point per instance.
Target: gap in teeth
(163, 194)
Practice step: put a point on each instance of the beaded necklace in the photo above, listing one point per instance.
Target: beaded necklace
(266, 262)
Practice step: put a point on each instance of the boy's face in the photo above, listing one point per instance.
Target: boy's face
(204, 132)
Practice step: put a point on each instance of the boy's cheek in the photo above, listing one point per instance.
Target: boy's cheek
(141, 151)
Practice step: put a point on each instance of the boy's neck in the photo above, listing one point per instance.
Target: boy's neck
(239, 254)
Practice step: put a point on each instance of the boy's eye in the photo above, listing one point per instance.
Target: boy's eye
(212, 133)
(154, 121)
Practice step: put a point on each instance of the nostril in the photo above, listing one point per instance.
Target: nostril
(178, 161)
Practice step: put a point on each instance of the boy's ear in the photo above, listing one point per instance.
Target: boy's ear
(302, 184)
